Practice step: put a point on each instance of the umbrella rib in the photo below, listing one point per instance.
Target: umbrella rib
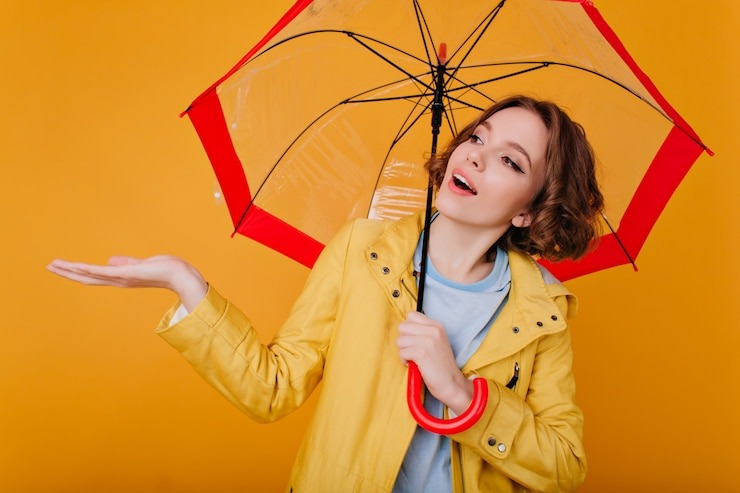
(421, 21)
(473, 86)
(279, 159)
(405, 127)
(356, 98)
(350, 34)
(547, 63)
(359, 38)
(482, 27)
(619, 241)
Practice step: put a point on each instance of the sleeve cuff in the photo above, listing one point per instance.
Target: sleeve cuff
(208, 312)
(179, 314)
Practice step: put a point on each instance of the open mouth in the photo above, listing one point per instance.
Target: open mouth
(461, 183)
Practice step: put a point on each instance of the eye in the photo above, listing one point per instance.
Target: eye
(475, 139)
(511, 163)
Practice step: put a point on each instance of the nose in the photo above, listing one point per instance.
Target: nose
(475, 159)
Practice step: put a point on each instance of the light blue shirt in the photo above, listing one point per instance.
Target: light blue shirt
(466, 311)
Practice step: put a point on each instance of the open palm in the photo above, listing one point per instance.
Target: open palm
(160, 271)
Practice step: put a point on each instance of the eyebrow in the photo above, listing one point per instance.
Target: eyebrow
(510, 143)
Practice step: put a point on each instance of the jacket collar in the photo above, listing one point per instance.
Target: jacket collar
(391, 257)
(530, 312)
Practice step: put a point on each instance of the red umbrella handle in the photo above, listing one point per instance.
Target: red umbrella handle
(444, 426)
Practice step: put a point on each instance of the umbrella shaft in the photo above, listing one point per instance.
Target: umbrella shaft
(437, 111)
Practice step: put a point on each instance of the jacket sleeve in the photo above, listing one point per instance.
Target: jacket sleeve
(535, 441)
(265, 381)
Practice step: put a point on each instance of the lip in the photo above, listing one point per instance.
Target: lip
(457, 190)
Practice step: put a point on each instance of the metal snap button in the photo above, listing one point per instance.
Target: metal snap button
(396, 293)
(491, 441)
(554, 317)
(374, 256)
(540, 324)
(386, 270)
(515, 330)
(501, 447)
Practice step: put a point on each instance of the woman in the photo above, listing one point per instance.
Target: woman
(516, 183)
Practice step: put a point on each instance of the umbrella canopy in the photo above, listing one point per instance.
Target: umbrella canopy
(328, 117)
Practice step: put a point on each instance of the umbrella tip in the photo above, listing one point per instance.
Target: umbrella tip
(442, 54)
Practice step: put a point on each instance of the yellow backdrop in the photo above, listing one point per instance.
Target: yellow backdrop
(95, 162)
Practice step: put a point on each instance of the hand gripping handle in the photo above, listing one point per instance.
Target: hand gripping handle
(444, 426)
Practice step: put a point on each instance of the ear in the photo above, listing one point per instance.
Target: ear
(522, 220)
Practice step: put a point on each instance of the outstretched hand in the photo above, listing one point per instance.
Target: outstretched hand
(161, 271)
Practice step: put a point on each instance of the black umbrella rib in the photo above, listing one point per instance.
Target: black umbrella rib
(424, 27)
(343, 32)
(613, 81)
(425, 91)
(279, 159)
(548, 63)
(405, 127)
(540, 64)
(619, 241)
(481, 30)
(360, 39)
(473, 86)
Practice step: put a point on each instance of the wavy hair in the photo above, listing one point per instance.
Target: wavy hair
(565, 212)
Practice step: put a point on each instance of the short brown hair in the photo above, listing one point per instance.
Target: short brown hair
(565, 212)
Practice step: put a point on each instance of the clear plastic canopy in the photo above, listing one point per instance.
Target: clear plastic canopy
(328, 118)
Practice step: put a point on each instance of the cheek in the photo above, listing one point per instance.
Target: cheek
(446, 174)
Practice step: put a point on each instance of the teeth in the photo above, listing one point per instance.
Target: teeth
(459, 179)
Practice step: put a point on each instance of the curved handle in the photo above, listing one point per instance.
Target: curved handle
(444, 426)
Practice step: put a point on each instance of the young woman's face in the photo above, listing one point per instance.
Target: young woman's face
(492, 177)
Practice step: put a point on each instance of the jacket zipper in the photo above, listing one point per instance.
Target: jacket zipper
(462, 470)
(514, 378)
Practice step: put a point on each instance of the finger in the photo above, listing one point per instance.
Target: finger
(79, 267)
(113, 275)
(79, 277)
(417, 317)
(408, 354)
(411, 329)
(59, 263)
(422, 320)
(420, 329)
(417, 344)
(62, 266)
(90, 269)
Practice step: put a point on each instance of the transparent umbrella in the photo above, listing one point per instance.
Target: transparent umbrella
(333, 113)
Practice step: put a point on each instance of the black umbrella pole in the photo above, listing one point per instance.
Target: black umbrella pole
(437, 111)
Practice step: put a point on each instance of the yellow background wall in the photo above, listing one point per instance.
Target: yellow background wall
(95, 162)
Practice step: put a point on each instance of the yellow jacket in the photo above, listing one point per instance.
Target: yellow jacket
(343, 329)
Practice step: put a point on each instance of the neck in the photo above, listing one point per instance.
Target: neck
(459, 252)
